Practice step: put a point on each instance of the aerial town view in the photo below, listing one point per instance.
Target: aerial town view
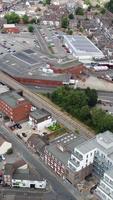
(56, 99)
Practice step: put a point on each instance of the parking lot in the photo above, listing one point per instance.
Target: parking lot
(53, 38)
(11, 43)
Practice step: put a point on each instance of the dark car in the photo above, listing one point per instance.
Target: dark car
(93, 188)
(24, 135)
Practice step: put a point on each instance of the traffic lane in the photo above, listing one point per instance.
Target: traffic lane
(26, 154)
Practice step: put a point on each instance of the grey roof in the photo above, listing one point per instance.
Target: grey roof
(26, 174)
(10, 98)
(39, 114)
(81, 45)
(19, 65)
(103, 141)
(68, 142)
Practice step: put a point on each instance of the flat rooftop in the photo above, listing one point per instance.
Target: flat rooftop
(10, 98)
(82, 46)
(103, 141)
(68, 142)
(39, 114)
(29, 64)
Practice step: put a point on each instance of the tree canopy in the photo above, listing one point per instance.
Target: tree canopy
(64, 22)
(12, 18)
(30, 28)
(79, 11)
(82, 105)
(109, 6)
(25, 19)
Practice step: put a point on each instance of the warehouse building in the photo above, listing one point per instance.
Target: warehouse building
(82, 48)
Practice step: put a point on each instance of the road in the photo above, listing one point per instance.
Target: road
(41, 42)
(106, 96)
(60, 190)
(42, 102)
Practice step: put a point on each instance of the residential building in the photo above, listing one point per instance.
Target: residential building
(10, 28)
(19, 174)
(14, 106)
(40, 119)
(92, 156)
(36, 143)
(52, 16)
(82, 48)
(57, 154)
(105, 188)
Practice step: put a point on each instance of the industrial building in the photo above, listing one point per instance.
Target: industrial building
(27, 67)
(82, 48)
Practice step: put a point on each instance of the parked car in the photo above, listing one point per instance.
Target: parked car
(24, 135)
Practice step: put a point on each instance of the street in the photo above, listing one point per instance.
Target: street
(60, 191)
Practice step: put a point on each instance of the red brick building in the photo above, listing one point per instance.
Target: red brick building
(56, 164)
(10, 28)
(14, 106)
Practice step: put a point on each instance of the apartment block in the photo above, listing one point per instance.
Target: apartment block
(105, 188)
(94, 155)
(14, 106)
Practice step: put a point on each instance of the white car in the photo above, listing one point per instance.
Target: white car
(2, 156)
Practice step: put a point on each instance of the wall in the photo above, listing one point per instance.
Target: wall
(26, 183)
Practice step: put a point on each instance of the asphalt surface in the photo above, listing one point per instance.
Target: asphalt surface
(60, 191)
(107, 96)
(41, 41)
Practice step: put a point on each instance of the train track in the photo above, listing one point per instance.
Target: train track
(40, 101)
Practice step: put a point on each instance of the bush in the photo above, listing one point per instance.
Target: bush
(10, 151)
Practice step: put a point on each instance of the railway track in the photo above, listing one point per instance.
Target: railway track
(42, 102)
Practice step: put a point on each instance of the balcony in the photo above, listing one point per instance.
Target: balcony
(75, 163)
(78, 155)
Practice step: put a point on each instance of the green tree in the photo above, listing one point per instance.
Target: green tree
(70, 32)
(85, 113)
(109, 6)
(103, 11)
(12, 18)
(71, 16)
(79, 11)
(48, 2)
(30, 28)
(10, 151)
(98, 119)
(64, 22)
(92, 97)
(25, 19)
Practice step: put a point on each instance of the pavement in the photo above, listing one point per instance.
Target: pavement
(60, 190)
(96, 83)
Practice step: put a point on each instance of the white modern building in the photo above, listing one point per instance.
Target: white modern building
(96, 152)
(105, 188)
(82, 48)
(40, 119)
